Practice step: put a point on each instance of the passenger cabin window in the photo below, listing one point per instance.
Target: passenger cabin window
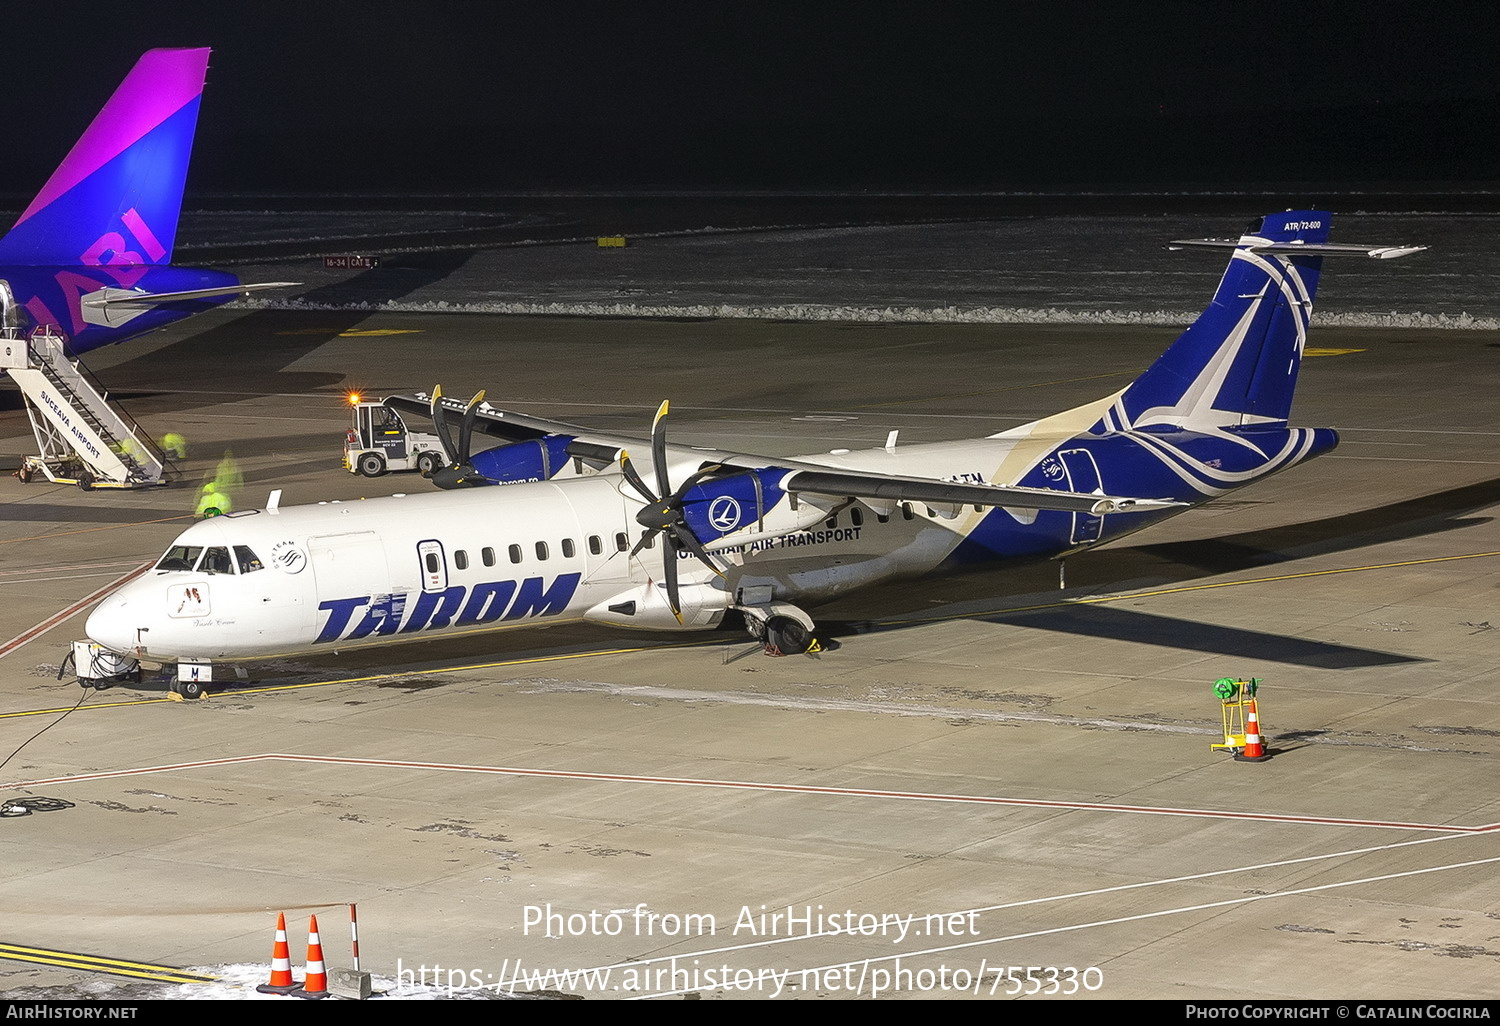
(568, 549)
(460, 559)
(488, 555)
(515, 553)
(431, 560)
(180, 557)
(856, 517)
(249, 562)
(831, 522)
(906, 513)
(541, 550)
(596, 545)
(216, 561)
(622, 543)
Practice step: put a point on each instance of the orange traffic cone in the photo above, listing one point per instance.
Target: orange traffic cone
(315, 984)
(1254, 750)
(281, 963)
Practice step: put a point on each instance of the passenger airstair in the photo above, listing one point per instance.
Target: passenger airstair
(84, 439)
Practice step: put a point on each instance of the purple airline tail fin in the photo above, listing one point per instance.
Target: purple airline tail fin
(116, 198)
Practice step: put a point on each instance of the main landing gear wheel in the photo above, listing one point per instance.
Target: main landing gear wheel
(786, 636)
(371, 464)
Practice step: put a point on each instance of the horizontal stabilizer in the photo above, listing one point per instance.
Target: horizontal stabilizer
(130, 297)
(1303, 248)
(112, 307)
(915, 489)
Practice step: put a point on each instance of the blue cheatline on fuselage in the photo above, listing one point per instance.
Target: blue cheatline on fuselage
(458, 606)
(1185, 466)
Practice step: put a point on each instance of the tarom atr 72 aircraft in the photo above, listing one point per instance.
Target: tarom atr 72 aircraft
(90, 257)
(576, 531)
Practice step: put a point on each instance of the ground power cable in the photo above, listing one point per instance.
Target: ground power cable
(11, 808)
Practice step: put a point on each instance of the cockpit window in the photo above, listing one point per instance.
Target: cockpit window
(249, 562)
(216, 561)
(180, 557)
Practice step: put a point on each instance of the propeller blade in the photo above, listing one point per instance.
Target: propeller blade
(634, 477)
(466, 428)
(687, 540)
(674, 599)
(440, 422)
(659, 449)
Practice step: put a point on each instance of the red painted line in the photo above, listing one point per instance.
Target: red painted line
(61, 567)
(745, 785)
(52, 621)
(109, 774)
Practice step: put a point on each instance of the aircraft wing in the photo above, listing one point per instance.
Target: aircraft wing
(489, 419)
(517, 427)
(880, 491)
(888, 488)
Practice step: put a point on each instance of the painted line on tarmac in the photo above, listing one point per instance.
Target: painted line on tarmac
(37, 630)
(1096, 892)
(865, 963)
(101, 964)
(67, 566)
(397, 675)
(91, 530)
(749, 785)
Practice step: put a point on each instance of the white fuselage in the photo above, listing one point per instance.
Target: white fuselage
(337, 574)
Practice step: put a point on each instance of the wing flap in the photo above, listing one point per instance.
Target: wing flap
(888, 488)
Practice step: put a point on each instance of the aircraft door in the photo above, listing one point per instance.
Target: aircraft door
(434, 565)
(349, 565)
(1083, 476)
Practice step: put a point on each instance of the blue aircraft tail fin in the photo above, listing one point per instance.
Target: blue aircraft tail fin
(116, 197)
(1237, 363)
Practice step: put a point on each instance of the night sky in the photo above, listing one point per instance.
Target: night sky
(460, 97)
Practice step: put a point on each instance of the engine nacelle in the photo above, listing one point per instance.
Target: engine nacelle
(539, 459)
(646, 608)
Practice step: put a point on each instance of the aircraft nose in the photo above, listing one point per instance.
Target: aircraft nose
(109, 626)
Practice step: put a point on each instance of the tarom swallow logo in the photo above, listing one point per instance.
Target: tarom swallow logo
(724, 514)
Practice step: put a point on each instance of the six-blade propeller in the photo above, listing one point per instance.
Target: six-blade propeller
(662, 514)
